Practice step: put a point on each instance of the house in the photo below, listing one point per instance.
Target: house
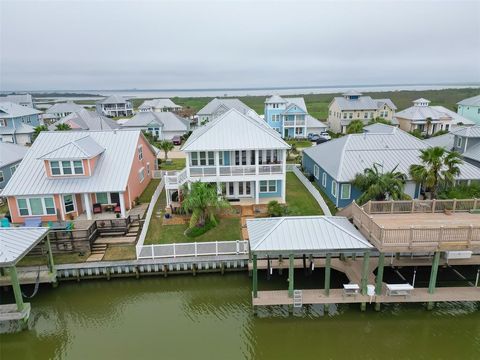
(115, 106)
(217, 107)
(429, 119)
(65, 173)
(353, 105)
(17, 123)
(10, 156)
(162, 125)
(19, 99)
(86, 120)
(287, 116)
(159, 105)
(60, 110)
(314, 125)
(335, 163)
(243, 156)
(470, 108)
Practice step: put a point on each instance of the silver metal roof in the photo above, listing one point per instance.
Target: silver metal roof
(234, 130)
(19, 99)
(469, 131)
(379, 128)
(473, 153)
(159, 104)
(167, 120)
(304, 234)
(65, 107)
(298, 101)
(110, 174)
(114, 99)
(83, 148)
(362, 103)
(16, 242)
(11, 153)
(349, 155)
(213, 105)
(473, 101)
(86, 120)
(314, 123)
(445, 141)
(20, 128)
(12, 110)
(275, 99)
(457, 119)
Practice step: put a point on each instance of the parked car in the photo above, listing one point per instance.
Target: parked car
(320, 140)
(325, 135)
(177, 140)
(311, 135)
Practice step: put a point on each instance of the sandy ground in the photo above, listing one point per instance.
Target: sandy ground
(174, 154)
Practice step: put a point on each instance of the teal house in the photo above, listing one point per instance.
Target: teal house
(470, 108)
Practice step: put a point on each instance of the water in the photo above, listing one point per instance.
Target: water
(210, 317)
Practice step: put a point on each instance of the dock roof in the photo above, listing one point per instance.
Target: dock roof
(16, 242)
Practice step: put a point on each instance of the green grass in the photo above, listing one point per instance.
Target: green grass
(177, 164)
(300, 143)
(124, 252)
(149, 190)
(330, 204)
(299, 199)
(68, 258)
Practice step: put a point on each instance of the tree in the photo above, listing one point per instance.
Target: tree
(166, 146)
(149, 136)
(380, 121)
(377, 185)
(429, 125)
(355, 127)
(62, 127)
(38, 129)
(203, 202)
(438, 169)
(292, 150)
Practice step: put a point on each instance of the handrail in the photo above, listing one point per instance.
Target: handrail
(421, 206)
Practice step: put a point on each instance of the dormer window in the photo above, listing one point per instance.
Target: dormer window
(66, 167)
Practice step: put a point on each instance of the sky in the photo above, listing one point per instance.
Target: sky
(98, 45)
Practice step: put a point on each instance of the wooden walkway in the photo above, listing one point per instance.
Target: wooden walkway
(29, 277)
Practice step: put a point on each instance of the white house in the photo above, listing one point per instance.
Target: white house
(19, 99)
(86, 120)
(243, 156)
(115, 106)
(163, 125)
(60, 110)
(159, 105)
(217, 107)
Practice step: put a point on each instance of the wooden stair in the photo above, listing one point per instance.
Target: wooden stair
(97, 252)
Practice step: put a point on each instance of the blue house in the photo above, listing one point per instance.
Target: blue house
(335, 163)
(470, 108)
(11, 156)
(288, 116)
(17, 123)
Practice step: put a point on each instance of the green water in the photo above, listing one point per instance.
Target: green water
(210, 317)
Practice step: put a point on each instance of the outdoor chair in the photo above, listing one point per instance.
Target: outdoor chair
(97, 208)
(117, 209)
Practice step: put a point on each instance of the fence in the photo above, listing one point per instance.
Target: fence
(196, 249)
(421, 206)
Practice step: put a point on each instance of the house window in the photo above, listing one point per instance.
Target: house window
(269, 186)
(102, 198)
(141, 174)
(220, 158)
(55, 168)
(334, 188)
(244, 157)
(203, 159)
(13, 169)
(299, 131)
(324, 179)
(140, 152)
(22, 207)
(68, 203)
(3, 123)
(148, 169)
(344, 115)
(350, 115)
(78, 167)
(211, 158)
(459, 142)
(194, 159)
(316, 171)
(66, 168)
(36, 206)
(345, 191)
(1, 176)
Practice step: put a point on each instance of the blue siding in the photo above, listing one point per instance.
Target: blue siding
(7, 174)
(278, 193)
(226, 158)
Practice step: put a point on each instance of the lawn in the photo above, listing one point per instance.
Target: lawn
(147, 194)
(124, 252)
(177, 164)
(3, 208)
(68, 258)
(299, 199)
(300, 143)
(330, 204)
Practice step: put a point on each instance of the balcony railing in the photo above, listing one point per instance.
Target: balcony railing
(294, 123)
(270, 169)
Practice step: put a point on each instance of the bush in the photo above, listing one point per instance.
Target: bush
(200, 230)
(461, 192)
(275, 209)
(311, 178)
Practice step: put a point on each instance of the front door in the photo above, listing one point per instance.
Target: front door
(239, 189)
(115, 198)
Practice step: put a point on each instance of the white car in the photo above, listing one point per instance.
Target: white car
(325, 135)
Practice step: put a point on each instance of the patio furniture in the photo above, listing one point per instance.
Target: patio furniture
(351, 289)
(33, 222)
(399, 289)
(97, 208)
(5, 223)
(117, 209)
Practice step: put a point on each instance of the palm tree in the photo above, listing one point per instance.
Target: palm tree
(166, 146)
(355, 127)
(429, 125)
(203, 202)
(38, 129)
(439, 168)
(62, 127)
(377, 185)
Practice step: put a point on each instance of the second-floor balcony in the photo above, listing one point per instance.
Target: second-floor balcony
(294, 123)
(236, 170)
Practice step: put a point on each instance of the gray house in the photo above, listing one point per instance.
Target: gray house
(60, 110)
(86, 120)
(115, 106)
(19, 99)
(17, 123)
(10, 156)
(162, 125)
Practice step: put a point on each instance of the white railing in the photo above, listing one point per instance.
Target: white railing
(175, 177)
(195, 249)
(148, 217)
(157, 174)
(294, 123)
(202, 171)
(270, 169)
(238, 170)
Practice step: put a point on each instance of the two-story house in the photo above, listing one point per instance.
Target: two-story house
(470, 108)
(17, 123)
(86, 120)
(217, 107)
(159, 105)
(10, 157)
(429, 119)
(60, 110)
(162, 125)
(287, 116)
(66, 174)
(334, 164)
(353, 105)
(19, 99)
(115, 106)
(243, 156)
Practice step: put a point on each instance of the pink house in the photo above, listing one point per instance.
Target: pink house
(69, 173)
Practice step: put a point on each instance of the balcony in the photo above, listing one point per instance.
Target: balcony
(174, 178)
(290, 123)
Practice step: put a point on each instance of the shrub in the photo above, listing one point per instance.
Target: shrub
(199, 230)
(275, 209)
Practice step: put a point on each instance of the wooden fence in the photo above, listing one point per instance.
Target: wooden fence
(421, 206)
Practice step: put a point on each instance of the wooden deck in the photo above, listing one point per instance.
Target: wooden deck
(9, 312)
(405, 221)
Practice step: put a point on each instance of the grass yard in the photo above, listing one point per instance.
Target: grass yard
(125, 252)
(300, 143)
(177, 164)
(299, 199)
(330, 204)
(3, 208)
(69, 258)
(147, 194)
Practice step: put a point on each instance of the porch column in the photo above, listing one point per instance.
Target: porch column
(366, 263)
(16, 288)
(433, 273)
(51, 264)
(379, 279)
(122, 205)
(217, 162)
(291, 269)
(284, 172)
(167, 195)
(256, 162)
(328, 261)
(88, 205)
(219, 188)
(254, 275)
(257, 192)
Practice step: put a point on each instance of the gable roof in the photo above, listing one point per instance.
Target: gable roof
(213, 105)
(86, 120)
(275, 99)
(473, 152)
(20, 128)
(362, 103)
(83, 148)
(167, 120)
(457, 119)
(298, 101)
(232, 131)
(379, 128)
(16, 242)
(12, 110)
(300, 234)
(352, 154)
(111, 173)
(11, 153)
(469, 131)
(473, 101)
(159, 104)
(18, 99)
(113, 99)
(314, 123)
(66, 107)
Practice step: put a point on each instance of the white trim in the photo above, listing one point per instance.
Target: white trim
(324, 179)
(44, 208)
(316, 171)
(349, 191)
(74, 202)
(334, 189)
(459, 142)
(268, 186)
(1, 176)
(60, 167)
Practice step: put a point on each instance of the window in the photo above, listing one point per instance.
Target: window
(3, 122)
(78, 167)
(1, 176)
(365, 115)
(244, 157)
(148, 169)
(345, 191)
(141, 174)
(55, 168)
(66, 167)
(211, 158)
(344, 115)
(324, 179)
(36, 206)
(68, 203)
(334, 188)
(13, 169)
(220, 158)
(22, 207)
(49, 205)
(459, 142)
(102, 198)
(316, 171)
(203, 159)
(350, 115)
(194, 159)
(299, 130)
(268, 186)
(140, 152)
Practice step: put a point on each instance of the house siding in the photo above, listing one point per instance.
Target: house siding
(7, 173)
(278, 193)
(470, 112)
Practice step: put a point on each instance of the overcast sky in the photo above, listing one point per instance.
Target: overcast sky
(233, 44)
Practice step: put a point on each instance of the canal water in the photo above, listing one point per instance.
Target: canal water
(210, 317)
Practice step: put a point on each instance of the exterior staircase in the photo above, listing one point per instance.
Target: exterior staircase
(98, 252)
(247, 213)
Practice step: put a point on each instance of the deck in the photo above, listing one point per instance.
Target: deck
(405, 221)
(9, 312)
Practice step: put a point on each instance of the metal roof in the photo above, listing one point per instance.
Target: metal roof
(304, 234)
(213, 105)
(16, 242)
(114, 99)
(18, 99)
(86, 120)
(66, 107)
(167, 120)
(11, 153)
(159, 104)
(379, 128)
(12, 110)
(362, 103)
(349, 155)
(473, 101)
(84, 148)
(20, 128)
(352, 93)
(469, 131)
(445, 141)
(110, 174)
(275, 99)
(457, 119)
(298, 101)
(234, 131)
(473, 153)
(314, 123)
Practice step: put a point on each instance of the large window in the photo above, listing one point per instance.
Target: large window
(102, 198)
(334, 188)
(13, 169)
(324, 179)
(141, 174)
(211, 158)
(269, 186)
(3, 122)
(459, 142)
(345, 191)
(316, 171)
(66, 167)
(36, 206)
(194, 159)
(68, 203)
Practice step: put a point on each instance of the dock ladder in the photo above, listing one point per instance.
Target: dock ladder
(297, 298)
